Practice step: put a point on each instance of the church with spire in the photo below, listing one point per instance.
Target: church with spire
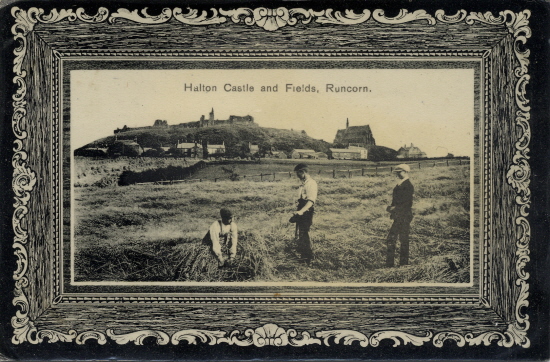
(360, 136)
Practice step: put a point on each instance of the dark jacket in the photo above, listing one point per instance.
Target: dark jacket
(402, 200)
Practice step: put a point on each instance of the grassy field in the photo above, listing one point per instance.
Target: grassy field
(142, 232)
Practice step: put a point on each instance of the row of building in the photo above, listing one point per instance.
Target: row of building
(132, 149)
(350, 143)
(197, 150)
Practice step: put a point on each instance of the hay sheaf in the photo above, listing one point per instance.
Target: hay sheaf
(198, 263)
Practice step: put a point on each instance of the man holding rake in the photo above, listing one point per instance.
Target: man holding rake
(303, 217)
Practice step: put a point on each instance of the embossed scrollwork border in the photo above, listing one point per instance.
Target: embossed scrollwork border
(25, 179)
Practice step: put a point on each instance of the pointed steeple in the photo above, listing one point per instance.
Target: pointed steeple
(347, 123)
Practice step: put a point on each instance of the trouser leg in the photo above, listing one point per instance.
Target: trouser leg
(390, 244)
(404, 243)
(305, 245)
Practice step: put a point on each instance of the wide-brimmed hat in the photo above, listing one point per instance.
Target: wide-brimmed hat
(402, 167)
(300, 166)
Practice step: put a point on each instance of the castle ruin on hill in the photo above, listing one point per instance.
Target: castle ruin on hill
(202, 122)
(212, 121)
(360, 136)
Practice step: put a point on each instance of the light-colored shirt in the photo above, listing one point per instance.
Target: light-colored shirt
(220, 232)
(308, 190)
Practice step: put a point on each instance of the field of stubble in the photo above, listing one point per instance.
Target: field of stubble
(142, 232)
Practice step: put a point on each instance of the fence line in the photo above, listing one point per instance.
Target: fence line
(350, 172)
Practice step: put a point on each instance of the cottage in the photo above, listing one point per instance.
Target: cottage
(410, 152)
(274, 153)
(253, 149)
(302, 153)
(216, 150)
(188, 149)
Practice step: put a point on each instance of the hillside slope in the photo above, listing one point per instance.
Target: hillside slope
(236, 138)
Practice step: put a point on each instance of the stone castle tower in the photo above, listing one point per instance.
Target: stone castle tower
(212, 121)
(211, 117)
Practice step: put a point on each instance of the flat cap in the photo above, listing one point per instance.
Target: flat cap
(300, 166)
(402, 167)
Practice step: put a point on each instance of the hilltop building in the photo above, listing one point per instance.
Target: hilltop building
(410, 152)
(202, 122)
(160, 123)
(360, 136)
(212, 121)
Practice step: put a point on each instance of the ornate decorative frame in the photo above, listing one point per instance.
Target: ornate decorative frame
(495, 315)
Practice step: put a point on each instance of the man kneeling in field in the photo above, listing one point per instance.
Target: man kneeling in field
(220, 240)
(222, 234)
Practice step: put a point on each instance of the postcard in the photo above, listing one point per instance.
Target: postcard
(291, 176)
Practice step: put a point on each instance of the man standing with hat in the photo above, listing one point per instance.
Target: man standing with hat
(307, 196)
(401, 213)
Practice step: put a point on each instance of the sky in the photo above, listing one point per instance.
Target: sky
(431, 108)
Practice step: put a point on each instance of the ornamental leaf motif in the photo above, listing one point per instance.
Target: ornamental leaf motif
(349, 17)
(521, 84)
(237, 14)
(440, 338)
(399, 337)
(404, 16)
(192, 17)
(143, 18)
(192, 336)
(346, 336)
(53, 336)
(56, 16)
(84, 336)
(519, 175)
(487, 338)
(450, 19)
(138, 337)
(485, 18)
(22, 260)
(101, 16)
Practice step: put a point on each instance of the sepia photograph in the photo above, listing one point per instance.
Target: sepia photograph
(273, 175)
(297, 181)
